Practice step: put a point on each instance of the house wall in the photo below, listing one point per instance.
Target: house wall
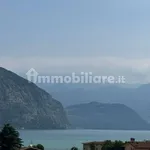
(98, 147)
(129, 147)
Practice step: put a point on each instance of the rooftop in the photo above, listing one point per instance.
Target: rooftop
(140, 144)
(136, 144)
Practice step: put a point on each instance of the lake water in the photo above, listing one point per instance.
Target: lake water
(65, 139)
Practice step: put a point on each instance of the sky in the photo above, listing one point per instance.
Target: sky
(103, 36)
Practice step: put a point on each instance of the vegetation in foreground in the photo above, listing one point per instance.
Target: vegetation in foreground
(10, 140)
(109, 145)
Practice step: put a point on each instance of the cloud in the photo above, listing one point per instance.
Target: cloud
(133, 69)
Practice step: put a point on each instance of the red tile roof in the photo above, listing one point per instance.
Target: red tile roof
(136, 144)
(141, 145)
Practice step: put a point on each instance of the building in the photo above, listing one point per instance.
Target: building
(131, 145)
(141, 145)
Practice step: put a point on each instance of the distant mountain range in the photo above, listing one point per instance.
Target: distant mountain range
(25, 105)
(96, 115)
(134, 96)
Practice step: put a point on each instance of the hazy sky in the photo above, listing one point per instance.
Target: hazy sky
(69, 35)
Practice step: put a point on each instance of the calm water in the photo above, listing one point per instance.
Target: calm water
(65, 139)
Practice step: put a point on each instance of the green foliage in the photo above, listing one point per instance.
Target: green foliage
(40, 146)
(118, 144)
(74, 148)
(9, 138)
(109, 145)
(92, 146)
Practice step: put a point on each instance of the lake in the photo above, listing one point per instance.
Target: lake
(65, 139)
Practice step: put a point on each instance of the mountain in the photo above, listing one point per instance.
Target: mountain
(23, 104)
(136, 97)
(96, 115)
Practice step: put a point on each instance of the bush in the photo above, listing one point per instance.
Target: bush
(40, 146)
(74, 148)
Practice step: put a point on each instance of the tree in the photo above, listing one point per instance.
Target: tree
(108, 145)
(118, 144)
(74, 148)
(9, 138)
(40, 146)
(92, 146)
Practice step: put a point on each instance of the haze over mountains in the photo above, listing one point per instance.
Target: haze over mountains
(106, 38)
(24, 104)
(134, 96)
(96, 115)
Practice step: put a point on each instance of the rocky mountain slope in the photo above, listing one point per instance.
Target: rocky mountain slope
(96, 115)
(23, 104)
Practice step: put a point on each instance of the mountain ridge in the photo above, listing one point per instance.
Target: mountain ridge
(24, 104)
(135, 98)
(114, 116)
